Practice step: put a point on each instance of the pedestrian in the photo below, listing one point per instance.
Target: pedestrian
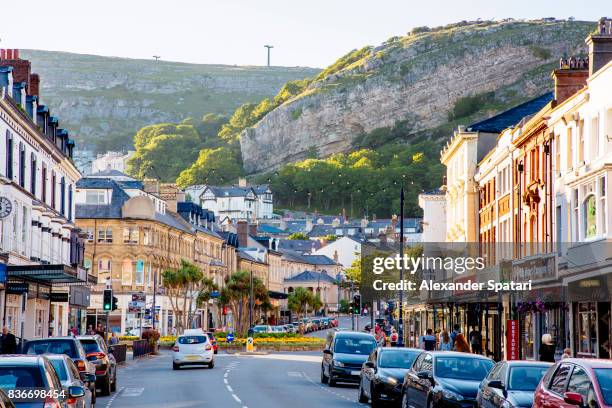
(476, 341)
(428, 341)
(379, 334)
(567, 353)
(455, 332)
(8, 341)
(461, 344)
(114, 339)
(394, 337)
(90, 330)
(446, 344)
(547, 349)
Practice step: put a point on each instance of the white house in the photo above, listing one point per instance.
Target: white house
(344, 250)
(111, 161)
(433, 204)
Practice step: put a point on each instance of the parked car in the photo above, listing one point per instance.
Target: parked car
(444, 379)
(511, 384)
(21, 372)
(262, 328)
(279, 329)
(383, 374)
(316, 324)
(575, 382)
(192, 349)
(68, 345)
(106, 365)
(289, 328)
(343, 356)
(69, 376)
(333, 322)
(213, 341)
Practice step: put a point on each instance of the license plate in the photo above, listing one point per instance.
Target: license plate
(192, 358)
(355, 372)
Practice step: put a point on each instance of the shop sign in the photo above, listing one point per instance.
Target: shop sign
(3, 273)
(59, 297)
(536, 269)
(512, 340)
(44, 292)
(17, 288)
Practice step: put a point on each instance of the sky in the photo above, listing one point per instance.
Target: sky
(310, 33)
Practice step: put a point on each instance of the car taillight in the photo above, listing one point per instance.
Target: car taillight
(81, 365)
(175, 348)
(71, 401)
(51, 403)
(208, 347)
(98, 355)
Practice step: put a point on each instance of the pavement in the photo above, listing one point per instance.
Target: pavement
(237, 381)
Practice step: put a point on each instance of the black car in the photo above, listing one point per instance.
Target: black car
(106, 365)
(68, 345)
(344, 354)
(441, 379)
(511, 384)
(383, 374)
(22, 373)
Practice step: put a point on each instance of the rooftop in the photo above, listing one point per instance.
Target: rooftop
(311, 276)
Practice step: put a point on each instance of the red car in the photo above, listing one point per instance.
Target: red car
(213, 341)
(574, 383)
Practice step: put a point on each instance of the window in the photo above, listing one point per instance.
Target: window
(579, 382)
(63, 196)
(590, 216)
(70, 202)
(568, 150)
(594, 136)
(53, 181)
(139, 272)
(43, 183)
(559, 379)
(105, 235)
(22, 164)
(95, 197)
(33, 174)
(9, 155)
(104, 266)
(557, 154)
(90, 234)
(575, 218)
(580, 142)
(126, 272)
(146, 236)
(130, 235)
(602, 202)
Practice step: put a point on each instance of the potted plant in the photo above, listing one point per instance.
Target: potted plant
(152, 336)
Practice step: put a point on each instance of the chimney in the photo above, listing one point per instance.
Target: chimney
(21, 68)
(34, 85)
(171, 194)
(151, 186)
(253, 230)
(242, 182)
(600, 45)
(570, 78)
(242, 228)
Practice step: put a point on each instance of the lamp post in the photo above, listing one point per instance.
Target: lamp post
(400, 332)
(339, 280)
(251, 302)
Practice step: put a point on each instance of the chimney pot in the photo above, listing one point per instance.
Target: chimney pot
(242, 232)
(600, 46)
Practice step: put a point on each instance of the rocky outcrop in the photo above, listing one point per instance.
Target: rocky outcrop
(417, 79)
(100, 97)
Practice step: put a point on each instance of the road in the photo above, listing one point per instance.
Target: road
(273, 380)
(345, 323)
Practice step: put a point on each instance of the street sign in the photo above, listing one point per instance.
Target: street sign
(230, 337)
(249, 345)
(215, 294)
(512, 333)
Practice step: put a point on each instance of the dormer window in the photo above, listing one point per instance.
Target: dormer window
(9, 155)
(95, 197)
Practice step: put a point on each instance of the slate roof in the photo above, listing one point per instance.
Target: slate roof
(307, 258)
(270, 229)
(231, 191)
(311, 276)
(512, 116)
(230, 237)
(296, 245)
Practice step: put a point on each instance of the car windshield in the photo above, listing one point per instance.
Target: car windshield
(604, 378)
(525, 378)
(52, 347)
(397, 358)
(192, 339)
(12, 377)
(90, 346)
(60, 369)
(260, 328)
(463, 368)
(354, 345)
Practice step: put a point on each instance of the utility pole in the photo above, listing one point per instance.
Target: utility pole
(352, 311)
(400, 340)
(157, 57)
(154, 293)
(269, 47)
(251, 303)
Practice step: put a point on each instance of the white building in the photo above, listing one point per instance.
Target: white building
(344, 250)
(433, 204)
(42, 247)
(237, 202)
(111, 161)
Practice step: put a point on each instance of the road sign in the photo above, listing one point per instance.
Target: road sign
(230, 337)
(249, 345)
(215, 294)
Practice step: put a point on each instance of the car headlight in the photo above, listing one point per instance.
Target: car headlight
(388, 380)
(338, 363)
(451, 395)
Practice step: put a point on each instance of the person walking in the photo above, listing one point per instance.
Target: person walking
(394, 337)
(428, 341)
(547, 349)
(461, 344)
(114, 339)
(380, 336)
(446, 343)
(476, 341)
(455, 332)
(8, 341)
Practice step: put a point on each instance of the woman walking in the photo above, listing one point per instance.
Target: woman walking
(461, 344)
(446, 343)
(547, 349)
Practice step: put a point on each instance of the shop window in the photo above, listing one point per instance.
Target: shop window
(590, 216)
(40, 323)
(587, 330)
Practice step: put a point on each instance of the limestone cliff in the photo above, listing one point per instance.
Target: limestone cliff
(418, 79)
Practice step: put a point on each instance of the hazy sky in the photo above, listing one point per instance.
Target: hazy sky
(307, 32)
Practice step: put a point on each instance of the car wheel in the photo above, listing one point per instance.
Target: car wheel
(211, 364)
(175, 366)
(106, 386)
(331, 382)
(114, 383)
(324, 379)
(375, 400)
(362, 398)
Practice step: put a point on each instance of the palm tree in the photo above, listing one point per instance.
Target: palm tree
(235, 294)
(185, 285)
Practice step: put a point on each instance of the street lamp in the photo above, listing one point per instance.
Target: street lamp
(251, 302)
(339, 280)
(400, 332)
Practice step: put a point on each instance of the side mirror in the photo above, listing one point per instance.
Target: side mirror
(496, 384)
(424, 375)
(369, 364)
(573, 398)
(87, 377)
(76, 391)
(328, 352)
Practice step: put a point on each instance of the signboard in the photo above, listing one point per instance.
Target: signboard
(215, 294)
(134, 307)
(230, 337)
(17, 288)
(249, 345)
(3, 274)
(512, 340)
(59, 297)
(137, 303)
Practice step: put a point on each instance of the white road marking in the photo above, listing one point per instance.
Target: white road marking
(237, 399)
(294, 374)
(225, 381)
(229, 388)
(133, 392)
(109, 403)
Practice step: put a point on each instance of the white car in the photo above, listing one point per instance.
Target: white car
(192, 349)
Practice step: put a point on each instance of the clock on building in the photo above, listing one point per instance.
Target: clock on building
(5, 207)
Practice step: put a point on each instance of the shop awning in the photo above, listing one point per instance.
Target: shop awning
(49, 274)
(277, 295)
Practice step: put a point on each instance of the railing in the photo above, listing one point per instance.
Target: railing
(141, 348)
(119, 351)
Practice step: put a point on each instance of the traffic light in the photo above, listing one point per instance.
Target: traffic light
(115, 300)
(357, 304)
(107, 300)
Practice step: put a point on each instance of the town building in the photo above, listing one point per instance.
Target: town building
(111, 161)
(42, 278)
(344, 250)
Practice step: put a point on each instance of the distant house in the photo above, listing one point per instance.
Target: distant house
(344, 250)
(320, 283)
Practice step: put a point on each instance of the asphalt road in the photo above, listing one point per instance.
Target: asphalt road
(345, 323)
(266, 381)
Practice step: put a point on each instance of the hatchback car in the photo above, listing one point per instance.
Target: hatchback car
(262, 328)
(192, 349)
(383, 374)
(511, 384)
(69, 376)
(444, 379)
(26, 372)
(103, 360)
(575, 382)
(343, 356)
(68, 345)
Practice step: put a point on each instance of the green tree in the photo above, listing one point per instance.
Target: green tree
(298, 236)
(236, 293)
(298, 301)
(354, 272)
(214, 166)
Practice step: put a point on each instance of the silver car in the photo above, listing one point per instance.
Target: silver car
(70, 377)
